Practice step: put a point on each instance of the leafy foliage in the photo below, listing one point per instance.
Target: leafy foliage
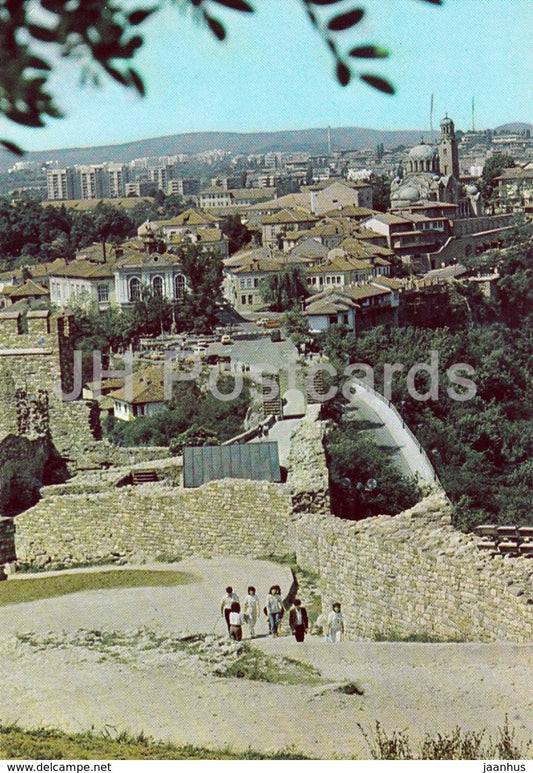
(354, 459)
(102, 37)
(493, 167)
(281, 290)
(195, 417)
(480, 447)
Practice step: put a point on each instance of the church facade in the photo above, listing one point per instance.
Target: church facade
(431, 176)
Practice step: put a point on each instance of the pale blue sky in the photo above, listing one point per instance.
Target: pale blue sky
(273, 72)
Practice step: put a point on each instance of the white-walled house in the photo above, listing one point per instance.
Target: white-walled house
(143, 395)
(82, 280)
(359, 306)
(162, 273)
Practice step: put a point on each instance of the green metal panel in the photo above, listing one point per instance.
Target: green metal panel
(252, 461)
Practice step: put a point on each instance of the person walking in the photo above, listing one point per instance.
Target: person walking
(274, 608)
(235, 622)
(250, 608)
(335, 624)
(298, 620)
(227, 601)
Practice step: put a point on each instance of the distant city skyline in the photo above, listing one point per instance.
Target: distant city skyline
(284, 79)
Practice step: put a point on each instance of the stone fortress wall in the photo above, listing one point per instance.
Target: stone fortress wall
(40, 359)
(411, 575)
(36, 356)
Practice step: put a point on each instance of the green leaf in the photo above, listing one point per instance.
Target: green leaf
(346, 20)
(12, 147)
(343, 73)
(236, 5)
(324, 2)
(137, 81)
(216, 27)
(435, 2)
(369, 52)
(137, 17)
(378, 83)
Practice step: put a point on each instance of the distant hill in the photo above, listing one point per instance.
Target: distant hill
(515, 126)
(307, 140)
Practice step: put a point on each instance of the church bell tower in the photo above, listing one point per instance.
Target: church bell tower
(448, 153)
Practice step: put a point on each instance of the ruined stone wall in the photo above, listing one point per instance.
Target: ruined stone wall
(38, 360)
(411, 575)
(308, 476)
(414, 576)
(222, 517)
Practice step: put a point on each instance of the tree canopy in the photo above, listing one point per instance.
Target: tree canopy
(282, 290)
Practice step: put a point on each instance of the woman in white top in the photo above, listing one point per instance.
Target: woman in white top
(235, 622)
(335, 624)
(250, 608)
(274, 609)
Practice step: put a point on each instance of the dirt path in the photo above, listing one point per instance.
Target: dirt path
(422, 687)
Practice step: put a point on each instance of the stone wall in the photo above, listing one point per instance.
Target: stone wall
(41, 358)
(222, 517)
(414, 576)
(308, 476)
(407, 576)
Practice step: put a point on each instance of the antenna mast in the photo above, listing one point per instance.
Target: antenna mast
(329, 140)
(473, 114)
(431, 119)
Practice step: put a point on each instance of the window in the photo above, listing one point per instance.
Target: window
(250, 299)
(243, 300)
(179, 286)
(135, 289)
(249, 281)
(256, 282)
(157, 286)
(103, 293)
(242, 282)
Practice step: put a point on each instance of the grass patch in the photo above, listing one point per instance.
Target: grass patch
(257, 666)
(287, 559)
(457, 745)
(50, 744)
(18, 590)
(423, 638)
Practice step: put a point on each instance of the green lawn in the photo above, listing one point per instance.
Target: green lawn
(18, 589)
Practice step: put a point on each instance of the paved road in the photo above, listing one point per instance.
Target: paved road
(392, 430)
(281, 432)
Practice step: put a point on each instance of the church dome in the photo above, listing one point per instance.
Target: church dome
(423, 152)
(446, 121)
(409, 193)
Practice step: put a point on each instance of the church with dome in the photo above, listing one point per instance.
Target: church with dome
(431, 176)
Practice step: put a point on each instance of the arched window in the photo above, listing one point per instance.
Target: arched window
(134, 289)
(157, 286)
(179, 286)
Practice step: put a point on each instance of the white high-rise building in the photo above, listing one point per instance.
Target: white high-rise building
(62, 184)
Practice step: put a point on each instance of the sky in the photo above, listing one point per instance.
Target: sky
(273, 72)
